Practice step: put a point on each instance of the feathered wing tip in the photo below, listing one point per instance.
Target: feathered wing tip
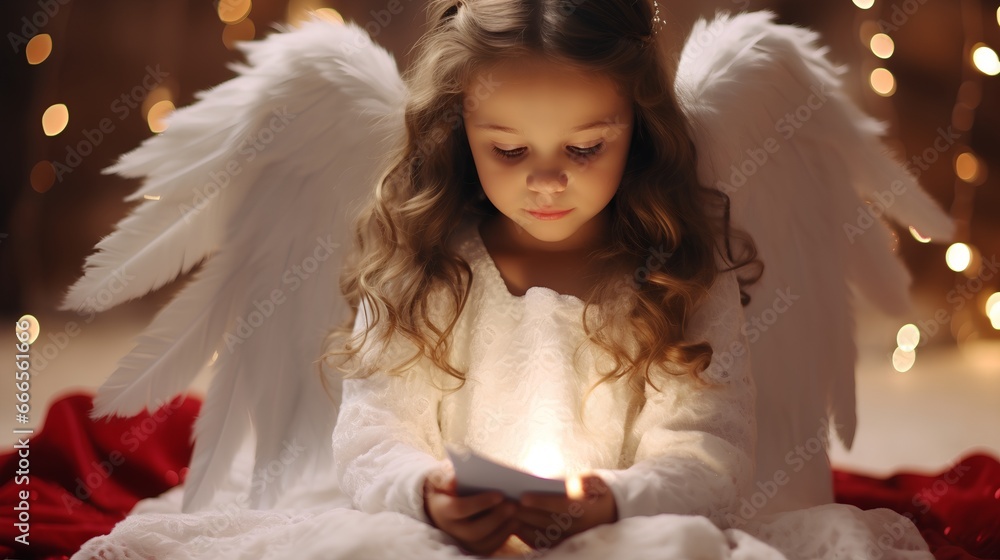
(809, 178)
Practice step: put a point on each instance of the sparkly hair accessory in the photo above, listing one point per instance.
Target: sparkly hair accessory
(657, 22)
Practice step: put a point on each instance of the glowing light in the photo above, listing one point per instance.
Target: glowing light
(39, 48)
(903, 360)
(545, 461)
(43, 176)
(864, 4)
(158, 114)
(215, 355)
(916, 235)
(160, 93)
(152, 197)
(883, 82)
(574, 487)
(55, 119)
(234, 11)
(329, 14)
(908, 338)
(993, 303)
(882, 45)
(32, 330)
(242, 31)
(993, 310)
(958, 257)
(986, 60)
(967, 167)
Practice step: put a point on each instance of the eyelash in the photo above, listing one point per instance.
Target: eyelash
(585, 153)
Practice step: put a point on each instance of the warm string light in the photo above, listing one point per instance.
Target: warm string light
(970, 170)
(239, 27)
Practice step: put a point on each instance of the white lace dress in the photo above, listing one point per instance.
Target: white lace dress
(679, 462)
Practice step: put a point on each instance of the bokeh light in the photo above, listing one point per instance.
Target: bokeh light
(329, 14)
(864, 4)
(55, 119)
(33, 328)
(958, 257)
(242, 31)
(882, 45)
(883, 82)
(986, 60)
(908, 337)
(967, 167)
(234, 11)
(43, 176)
(993, 310)
(903, 360)
(39, 48)
(156, 118)
(916, 235)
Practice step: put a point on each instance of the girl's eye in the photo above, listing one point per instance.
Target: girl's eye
(509, 154)
(587, 152)
(574, 151)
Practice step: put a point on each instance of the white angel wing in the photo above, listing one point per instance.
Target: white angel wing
(262, 176)
(798, 159)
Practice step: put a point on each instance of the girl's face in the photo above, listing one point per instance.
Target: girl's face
(547, 138)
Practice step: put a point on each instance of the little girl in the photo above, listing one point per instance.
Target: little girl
(540, 277)
(547, 284)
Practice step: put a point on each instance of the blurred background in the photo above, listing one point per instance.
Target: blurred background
(87, 81)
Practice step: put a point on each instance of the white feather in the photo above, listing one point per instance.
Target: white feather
(776, 132)
(294, 143)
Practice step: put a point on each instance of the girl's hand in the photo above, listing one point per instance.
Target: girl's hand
(548, 519)
(481, 523)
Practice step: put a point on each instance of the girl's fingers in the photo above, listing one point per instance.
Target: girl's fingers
(462, 508)
(555, 503)
(536, 518)
(499, 536)
(466, 507)
(483, 527)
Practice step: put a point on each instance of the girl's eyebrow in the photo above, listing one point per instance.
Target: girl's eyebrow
(588, 126)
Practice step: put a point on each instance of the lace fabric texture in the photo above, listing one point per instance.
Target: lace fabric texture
(679, 462)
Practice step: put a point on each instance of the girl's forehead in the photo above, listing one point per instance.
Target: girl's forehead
(536, 90)
(540, 74)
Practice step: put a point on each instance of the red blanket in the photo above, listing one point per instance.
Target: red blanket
(84, 476)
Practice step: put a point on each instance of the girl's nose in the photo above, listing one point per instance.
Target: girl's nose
(548, 181)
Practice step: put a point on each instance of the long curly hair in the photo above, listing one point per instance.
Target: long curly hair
(401, 255)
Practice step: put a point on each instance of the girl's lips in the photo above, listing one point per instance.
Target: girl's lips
(549, 215)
